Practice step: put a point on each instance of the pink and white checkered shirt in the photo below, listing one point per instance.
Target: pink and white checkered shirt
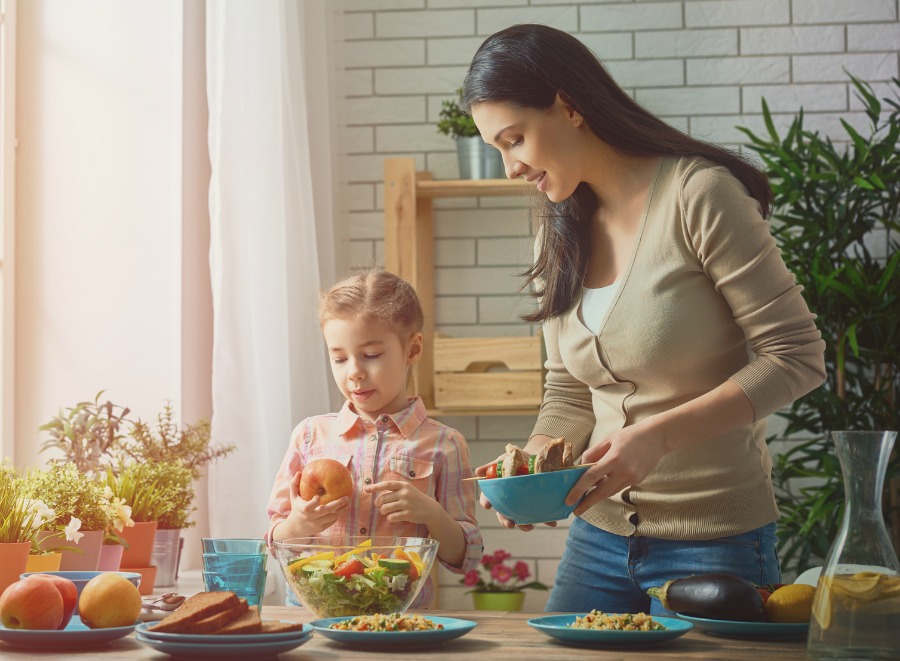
(407, 446)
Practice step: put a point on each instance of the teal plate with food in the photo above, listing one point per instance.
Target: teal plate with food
(561, 628)
(223, 649)
(750, 630)
(450, 628)
(76, 635)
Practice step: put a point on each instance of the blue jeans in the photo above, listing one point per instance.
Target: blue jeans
(612, 573)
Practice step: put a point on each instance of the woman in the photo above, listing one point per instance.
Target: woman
(673, 327)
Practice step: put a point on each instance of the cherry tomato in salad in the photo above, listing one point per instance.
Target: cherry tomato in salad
(349, 568)
(491, 472)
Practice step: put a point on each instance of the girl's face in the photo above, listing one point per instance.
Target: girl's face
(540, 145)
(370, 364)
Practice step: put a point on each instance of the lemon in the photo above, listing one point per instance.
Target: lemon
(791, 603)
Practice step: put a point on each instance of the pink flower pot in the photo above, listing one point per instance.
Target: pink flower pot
(110, 557)
(89, 547)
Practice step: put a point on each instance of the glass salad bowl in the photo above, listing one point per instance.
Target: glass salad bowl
(336, 577)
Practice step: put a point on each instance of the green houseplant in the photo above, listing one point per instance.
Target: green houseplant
(836, 221)
(87, 434)
(477, 159)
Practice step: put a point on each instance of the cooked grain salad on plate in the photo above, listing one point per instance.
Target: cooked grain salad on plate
(613, 622)
(392, 622)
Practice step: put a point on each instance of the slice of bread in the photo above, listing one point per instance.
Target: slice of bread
(213, 623)
(199, 607)
(249, 622)
(274, 626)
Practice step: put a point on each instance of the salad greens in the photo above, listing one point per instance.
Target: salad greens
(355, 583)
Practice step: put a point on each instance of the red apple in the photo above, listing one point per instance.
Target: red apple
(326, 478)
(31, 604)
(67, 591)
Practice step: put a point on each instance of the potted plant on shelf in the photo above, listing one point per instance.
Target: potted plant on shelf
(181, 452)
(114, 544)
(835, 219)
(80, 513)
(477, 159)
(137, 487)
(502, 587)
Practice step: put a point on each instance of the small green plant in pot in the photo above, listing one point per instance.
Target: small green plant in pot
(836, 222)
(477, 159)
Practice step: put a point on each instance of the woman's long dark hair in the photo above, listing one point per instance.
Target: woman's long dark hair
(527, 65)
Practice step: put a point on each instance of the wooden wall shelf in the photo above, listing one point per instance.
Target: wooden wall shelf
(409, 251)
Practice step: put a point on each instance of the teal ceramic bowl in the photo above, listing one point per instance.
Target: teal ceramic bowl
(528, 499)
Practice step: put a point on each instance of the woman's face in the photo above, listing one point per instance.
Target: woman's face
(539, 145)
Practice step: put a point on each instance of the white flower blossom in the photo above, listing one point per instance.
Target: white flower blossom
(71, 531)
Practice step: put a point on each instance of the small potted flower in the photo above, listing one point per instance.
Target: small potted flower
(114, 544)
(80, 514)
(501, 587)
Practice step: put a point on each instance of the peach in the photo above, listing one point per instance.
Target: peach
(326, 478)
(109, 600)
(31, 604)
(67, 591)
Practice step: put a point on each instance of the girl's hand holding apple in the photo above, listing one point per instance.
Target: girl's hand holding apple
(310, 517)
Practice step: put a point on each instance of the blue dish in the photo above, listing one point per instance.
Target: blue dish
(143, 630)
(557, 626)
(76, 635)
(223, 650)
(752, 630)
(535, 498)
(372, 640)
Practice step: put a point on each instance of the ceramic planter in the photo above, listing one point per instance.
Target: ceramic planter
(88, 546)
(140, 540)
(148, 578)
(498, 601)
(13, 560)
(110, 557)
(44, 562)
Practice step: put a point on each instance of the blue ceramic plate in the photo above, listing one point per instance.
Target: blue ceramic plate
(754, 630)
(371, 640)
(76, 635)
(557, 626)
(142, 629)
(223, 650)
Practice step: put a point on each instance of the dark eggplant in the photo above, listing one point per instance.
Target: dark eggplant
(713, 596)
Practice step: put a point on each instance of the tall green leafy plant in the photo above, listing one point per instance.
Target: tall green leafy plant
(836, 222)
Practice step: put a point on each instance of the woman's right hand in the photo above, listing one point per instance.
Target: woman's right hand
(308, 517)
(481, 471)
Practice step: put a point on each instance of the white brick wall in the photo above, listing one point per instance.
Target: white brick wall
(703, 65)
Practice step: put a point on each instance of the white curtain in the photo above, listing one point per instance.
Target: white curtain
(271, 72)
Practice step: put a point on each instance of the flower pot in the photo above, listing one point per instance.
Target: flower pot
(166, 553)
(148, 578)
(498, 601)
(85, 559)
(477, 159)
(111, 557)
(44, 562)
(13, 560)
(140, 540)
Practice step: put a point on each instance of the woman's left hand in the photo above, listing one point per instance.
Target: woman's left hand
(623, 459)
(401, 501)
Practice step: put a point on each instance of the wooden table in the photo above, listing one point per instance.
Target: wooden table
(499, 635)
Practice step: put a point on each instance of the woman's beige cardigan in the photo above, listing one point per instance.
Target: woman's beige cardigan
(705, 297)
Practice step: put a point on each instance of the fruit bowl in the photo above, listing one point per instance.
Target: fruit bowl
(336, 577)
(536, 498)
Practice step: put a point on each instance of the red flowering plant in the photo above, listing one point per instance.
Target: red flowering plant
(502, 575)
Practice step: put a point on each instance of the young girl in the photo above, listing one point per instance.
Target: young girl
(407, 469)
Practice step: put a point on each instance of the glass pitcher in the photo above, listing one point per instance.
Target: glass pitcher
(856, 610)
